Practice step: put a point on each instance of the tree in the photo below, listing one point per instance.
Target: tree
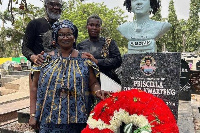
(183, 25)
(158, 17)
(75, 11)
(4, 16)
(112, 18)
(12, 44)
(23, 5)
(192, 38)
(174, 40)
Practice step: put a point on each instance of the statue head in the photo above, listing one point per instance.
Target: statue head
(150, 6)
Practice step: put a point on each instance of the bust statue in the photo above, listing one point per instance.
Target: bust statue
(143, 31)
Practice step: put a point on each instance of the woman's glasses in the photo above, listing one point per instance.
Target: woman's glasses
(62, 35)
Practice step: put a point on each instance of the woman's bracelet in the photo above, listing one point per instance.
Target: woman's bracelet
(95, 93)
(32, 115)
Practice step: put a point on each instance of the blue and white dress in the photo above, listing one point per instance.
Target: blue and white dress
(59, 106)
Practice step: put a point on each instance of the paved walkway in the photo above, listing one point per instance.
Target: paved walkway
(13, 97)
(188, 112)
(189, 116)
(185, 117)
(195, 103)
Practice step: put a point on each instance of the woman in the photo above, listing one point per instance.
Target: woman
(104, 52)
(61, 85)
(143, 32)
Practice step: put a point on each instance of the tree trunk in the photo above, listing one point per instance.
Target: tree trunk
(183, 42)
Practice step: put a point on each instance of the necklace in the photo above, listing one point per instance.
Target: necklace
(64, 88)
(50, 24)
(47, 21)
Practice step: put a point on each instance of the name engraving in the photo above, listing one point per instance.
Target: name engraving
(140, 43)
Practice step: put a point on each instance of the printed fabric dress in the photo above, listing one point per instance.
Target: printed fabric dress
(63, 90)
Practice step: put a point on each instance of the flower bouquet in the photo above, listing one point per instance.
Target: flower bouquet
(143, 111)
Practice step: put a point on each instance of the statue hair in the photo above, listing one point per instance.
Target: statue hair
(95, 16)
(155, 5)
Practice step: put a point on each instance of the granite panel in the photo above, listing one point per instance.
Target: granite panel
(162, 81)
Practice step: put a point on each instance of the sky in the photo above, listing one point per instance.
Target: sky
(181, 6)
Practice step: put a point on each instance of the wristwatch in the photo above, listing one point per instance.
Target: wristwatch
(32, 115)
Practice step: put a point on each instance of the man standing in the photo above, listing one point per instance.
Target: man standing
(36, 30)
(33, 40)
(32, 46)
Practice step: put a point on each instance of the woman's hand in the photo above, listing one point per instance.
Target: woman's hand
(37, 59)
(33, 123)
(89, 56)
(102, 94)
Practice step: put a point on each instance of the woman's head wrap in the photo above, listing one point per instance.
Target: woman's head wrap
(59, 25)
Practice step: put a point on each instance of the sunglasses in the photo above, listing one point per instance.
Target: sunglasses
(54, 4)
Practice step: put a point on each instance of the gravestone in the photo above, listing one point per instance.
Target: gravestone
(195, 81)
(198, 65)
(185, 91)
(161, 79)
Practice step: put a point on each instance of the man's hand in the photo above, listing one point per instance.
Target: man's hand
(89, 56)
(37, 59)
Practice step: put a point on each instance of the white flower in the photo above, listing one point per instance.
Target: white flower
(145, 132)
(117, 119)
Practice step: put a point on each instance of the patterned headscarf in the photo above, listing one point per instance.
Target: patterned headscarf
(59, 25)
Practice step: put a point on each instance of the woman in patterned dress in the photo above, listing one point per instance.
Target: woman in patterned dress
(61, 85)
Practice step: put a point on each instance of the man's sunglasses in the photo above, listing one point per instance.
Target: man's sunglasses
(54, 4)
